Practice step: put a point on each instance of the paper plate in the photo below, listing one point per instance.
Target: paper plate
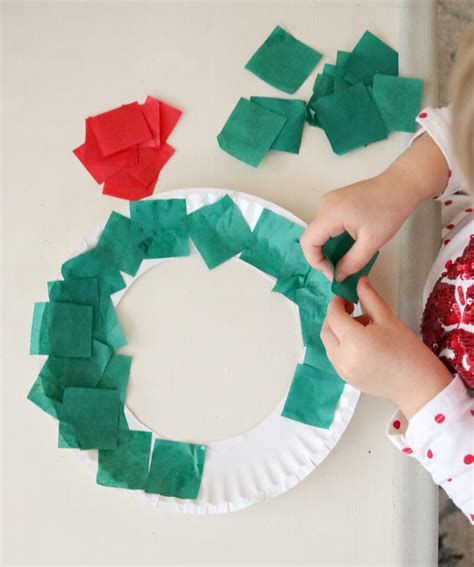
(268, 459)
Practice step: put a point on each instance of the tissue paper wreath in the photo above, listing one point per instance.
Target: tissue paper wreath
(83, 381)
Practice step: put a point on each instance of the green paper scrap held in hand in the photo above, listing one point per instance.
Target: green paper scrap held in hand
(83, 382)
(334, 249)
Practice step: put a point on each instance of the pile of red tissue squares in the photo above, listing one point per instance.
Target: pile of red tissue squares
(126, 148)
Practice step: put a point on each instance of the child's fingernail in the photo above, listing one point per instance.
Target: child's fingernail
(341, 276)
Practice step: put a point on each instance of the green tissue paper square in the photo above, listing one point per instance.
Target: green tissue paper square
(219, 231)
(159, 227)
(78, 372)
(123, 433)
(340, 84)
(292, 274)
(332, 81)
(250, 132)
(315, 355)
(44, 398)
(370, 90)
(117, 237)
(312, 307)
(323, 86)
(350, 119)
(62, 329)
(329, 70)
(289, 138)
(283, 61)
(371, 56)
(398, 100)
(313, 396)
(109, 330)
(334, 249)
(296, 273)
(318, 283)
(69, 440)
(273, 237)
(116, 375)
(176, 469)
(114, 252)
(85, 291)
(91, 416)
(341, 59)
(58, 374)
(96, 263)
(127, 465)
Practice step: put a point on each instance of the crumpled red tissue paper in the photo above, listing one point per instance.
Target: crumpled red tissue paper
(125, 148)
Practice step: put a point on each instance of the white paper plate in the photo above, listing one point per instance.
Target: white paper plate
(264, 461)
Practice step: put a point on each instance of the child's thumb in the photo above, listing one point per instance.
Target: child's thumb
(372, 303)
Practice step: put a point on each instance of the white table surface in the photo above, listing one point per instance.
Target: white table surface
(364, 505)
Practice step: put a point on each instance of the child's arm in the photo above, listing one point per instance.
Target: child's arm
(380, 355)
(372, 211)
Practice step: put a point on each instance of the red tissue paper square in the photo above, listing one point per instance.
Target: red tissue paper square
(125, 148)
(134, 183)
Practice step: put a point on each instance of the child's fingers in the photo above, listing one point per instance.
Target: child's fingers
(372, 304)
(315, 257)
(313, 240)
(313, 252)
(339, 319)
(329, 339)
(361, 252)
(325, 267)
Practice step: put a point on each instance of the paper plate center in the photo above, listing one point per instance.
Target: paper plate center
(213, 351)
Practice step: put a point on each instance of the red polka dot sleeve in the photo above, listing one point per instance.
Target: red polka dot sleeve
(437, 123)
(441, 437)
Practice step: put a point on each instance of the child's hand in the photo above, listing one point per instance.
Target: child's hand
(371, 211)
(379, 354)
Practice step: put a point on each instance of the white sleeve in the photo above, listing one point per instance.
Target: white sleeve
(441, 437)
(437, 123)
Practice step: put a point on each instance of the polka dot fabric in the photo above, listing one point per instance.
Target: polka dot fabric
(454, 211)
(440, 436)
(435, 122)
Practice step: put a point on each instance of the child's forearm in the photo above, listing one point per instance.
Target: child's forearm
(420, 173)
(416, 390)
